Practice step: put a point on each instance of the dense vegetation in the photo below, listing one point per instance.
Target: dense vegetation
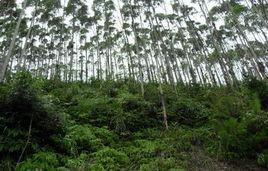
(108, 125)
(133, 85)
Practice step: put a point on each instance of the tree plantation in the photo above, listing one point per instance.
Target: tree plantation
(133, 85)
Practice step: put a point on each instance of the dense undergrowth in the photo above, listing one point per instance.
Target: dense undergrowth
(107, 125)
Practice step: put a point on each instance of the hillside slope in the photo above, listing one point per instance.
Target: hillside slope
(108, 125)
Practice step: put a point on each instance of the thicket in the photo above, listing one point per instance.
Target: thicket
(107, 125)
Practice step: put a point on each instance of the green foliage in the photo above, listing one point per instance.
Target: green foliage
(260, 88)
(238, 9)
(232, 138)
(262, 158)
(123, 113)
(254, 103)
(109, 159)
(77, 163)
(97, 111)
(23, 97)
(5, 91)
(107, 137)
(39, 161)
(241, 138)
(230, 106)
(81, 138)
(257, 130)
(188, 112)
(107, 125)
(136, 113)
(25, 107)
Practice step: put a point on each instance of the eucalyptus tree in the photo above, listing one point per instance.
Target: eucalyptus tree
(216, 43)
(235, 11)
(125, 33)
(109, 36)
(7, 57)
(131, 11)
(256, 26)
(260, 7)
(28, 36)
(48, 31)
(190, 37)
(158, 34)
(185, 54)
(147, 43)
(9, 13)
(72, 10)
(167, 45)
(157, 52)
(97, 8)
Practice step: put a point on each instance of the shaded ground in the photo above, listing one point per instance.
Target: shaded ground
(201, 162)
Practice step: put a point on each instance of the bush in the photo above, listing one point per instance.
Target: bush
(5, 92)
(96, 111)
(135, 112)
(127, 112)
(107, 125)
(188, 112)
(262, 158)
(106, 136)
(26, 102)
(77, 163)
(109, 159)
(81, 138)
(25, 107)
(260, 87)
(7, 164)
(257, 129)
(40, 161)
(226, 106)
(242, 138)
(233, 139)
(142, 151)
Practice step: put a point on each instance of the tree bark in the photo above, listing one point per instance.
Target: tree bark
(6, 59)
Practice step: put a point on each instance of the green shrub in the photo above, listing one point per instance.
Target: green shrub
(243, 138)
(260, 87)
(107, 125)
(151, 94)
(97, 111)
(109, 159)
(7, 164)
(106, 136)
(25, 107)
(228, 105)
(26, 102)
(97, 167)
(81, 138)
(41, 160)
(141, 151)
(127, 112)
(77, 163)
(135, 113)
(233, 138)
(262, 158)
(188, 112)
(257, 129)
(5, 90)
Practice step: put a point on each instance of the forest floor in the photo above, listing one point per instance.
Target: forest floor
(199, 161)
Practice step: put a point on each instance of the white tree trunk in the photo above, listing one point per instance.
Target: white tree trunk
(8, 56)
